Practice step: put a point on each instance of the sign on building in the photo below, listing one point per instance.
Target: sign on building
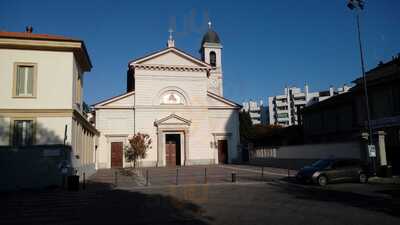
(371, 151)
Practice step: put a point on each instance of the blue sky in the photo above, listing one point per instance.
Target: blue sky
(267, 44)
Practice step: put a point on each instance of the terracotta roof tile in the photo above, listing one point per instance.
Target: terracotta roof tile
(26, 35)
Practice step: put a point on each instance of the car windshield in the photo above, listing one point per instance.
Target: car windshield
(321, 163)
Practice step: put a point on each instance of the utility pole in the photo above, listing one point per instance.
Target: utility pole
(358, 6)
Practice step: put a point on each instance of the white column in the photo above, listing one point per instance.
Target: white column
(186, 152)
(382, 148)
(160, 144)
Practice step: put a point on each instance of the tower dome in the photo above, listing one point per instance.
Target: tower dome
(211, 36)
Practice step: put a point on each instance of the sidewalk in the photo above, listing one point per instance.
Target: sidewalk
(384, 180)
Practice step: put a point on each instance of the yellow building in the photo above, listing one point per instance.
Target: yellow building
(41, 89)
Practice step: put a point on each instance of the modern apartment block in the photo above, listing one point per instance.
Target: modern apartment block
(283, 109)
(259, 113)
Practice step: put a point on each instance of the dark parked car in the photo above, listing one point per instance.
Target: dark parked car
(325, 171)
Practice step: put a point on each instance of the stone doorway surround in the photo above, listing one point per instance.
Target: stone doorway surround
(217, 137)
(172, 124)
(115, 138)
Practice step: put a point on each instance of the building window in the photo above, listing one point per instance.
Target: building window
(213, 59)
(24, 80)
(23, 132)
(283, 115)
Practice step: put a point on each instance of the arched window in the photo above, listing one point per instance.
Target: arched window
(213, 59)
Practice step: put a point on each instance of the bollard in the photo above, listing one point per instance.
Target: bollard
(83, 181)
(147, 177)
(177, 176)
(262, 172)
(233, 177)
(205, 175)
(116, 178)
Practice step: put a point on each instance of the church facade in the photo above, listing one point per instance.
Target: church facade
(178, 100)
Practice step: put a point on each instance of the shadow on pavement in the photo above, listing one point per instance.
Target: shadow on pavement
(314, 193)
(98, 204)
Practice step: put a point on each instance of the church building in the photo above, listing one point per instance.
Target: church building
(176, 99)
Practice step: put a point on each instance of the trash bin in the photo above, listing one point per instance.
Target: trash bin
(73, 183)
(389, 171)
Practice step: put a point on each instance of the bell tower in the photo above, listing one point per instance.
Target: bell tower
(210, 51)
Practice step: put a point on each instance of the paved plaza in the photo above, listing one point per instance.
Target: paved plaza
(254, 199)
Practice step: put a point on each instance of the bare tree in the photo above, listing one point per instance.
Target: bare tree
(137, 148)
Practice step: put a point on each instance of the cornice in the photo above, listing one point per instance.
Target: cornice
(179, 68)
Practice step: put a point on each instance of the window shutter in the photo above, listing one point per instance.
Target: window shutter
(20, 82)
(29, 80)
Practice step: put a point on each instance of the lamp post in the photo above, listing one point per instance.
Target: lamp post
(358, 6)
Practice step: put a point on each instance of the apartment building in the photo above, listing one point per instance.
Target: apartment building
(283, 109)
(258, 111)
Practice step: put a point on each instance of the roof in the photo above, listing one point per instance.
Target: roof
(27, 40)
(333, 101)
(225, 100)
(383, 70)
(113, 99)
(33, 36)
(165, 50)
(210, 37)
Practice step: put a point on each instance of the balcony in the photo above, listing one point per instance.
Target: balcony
(279, 103)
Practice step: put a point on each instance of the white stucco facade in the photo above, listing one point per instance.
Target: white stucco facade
(171, 94)
(55, 107)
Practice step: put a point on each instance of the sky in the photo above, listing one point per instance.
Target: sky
(266, 44)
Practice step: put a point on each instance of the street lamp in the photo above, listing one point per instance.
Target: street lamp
(358, 6)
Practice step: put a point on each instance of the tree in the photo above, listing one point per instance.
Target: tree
(245, 126)
(137, 148)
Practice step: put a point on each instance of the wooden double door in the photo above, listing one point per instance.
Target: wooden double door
(173, 150)
(222, 151)
(170, 153)
(116, 154)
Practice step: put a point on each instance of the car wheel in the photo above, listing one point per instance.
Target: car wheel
(322, 180)
(363, 178)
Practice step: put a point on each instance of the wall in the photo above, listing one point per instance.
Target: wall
(52, 108)
(54, 76)
(301, 155)
(114, 125)
(31, 167)
(224, 124)
(49, 130)
(192, 85)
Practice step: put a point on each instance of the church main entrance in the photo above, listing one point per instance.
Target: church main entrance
(173, 149)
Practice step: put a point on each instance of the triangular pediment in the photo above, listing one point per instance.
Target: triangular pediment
(216, 101)
(124, 100)
(170, 57)
(172, 120)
